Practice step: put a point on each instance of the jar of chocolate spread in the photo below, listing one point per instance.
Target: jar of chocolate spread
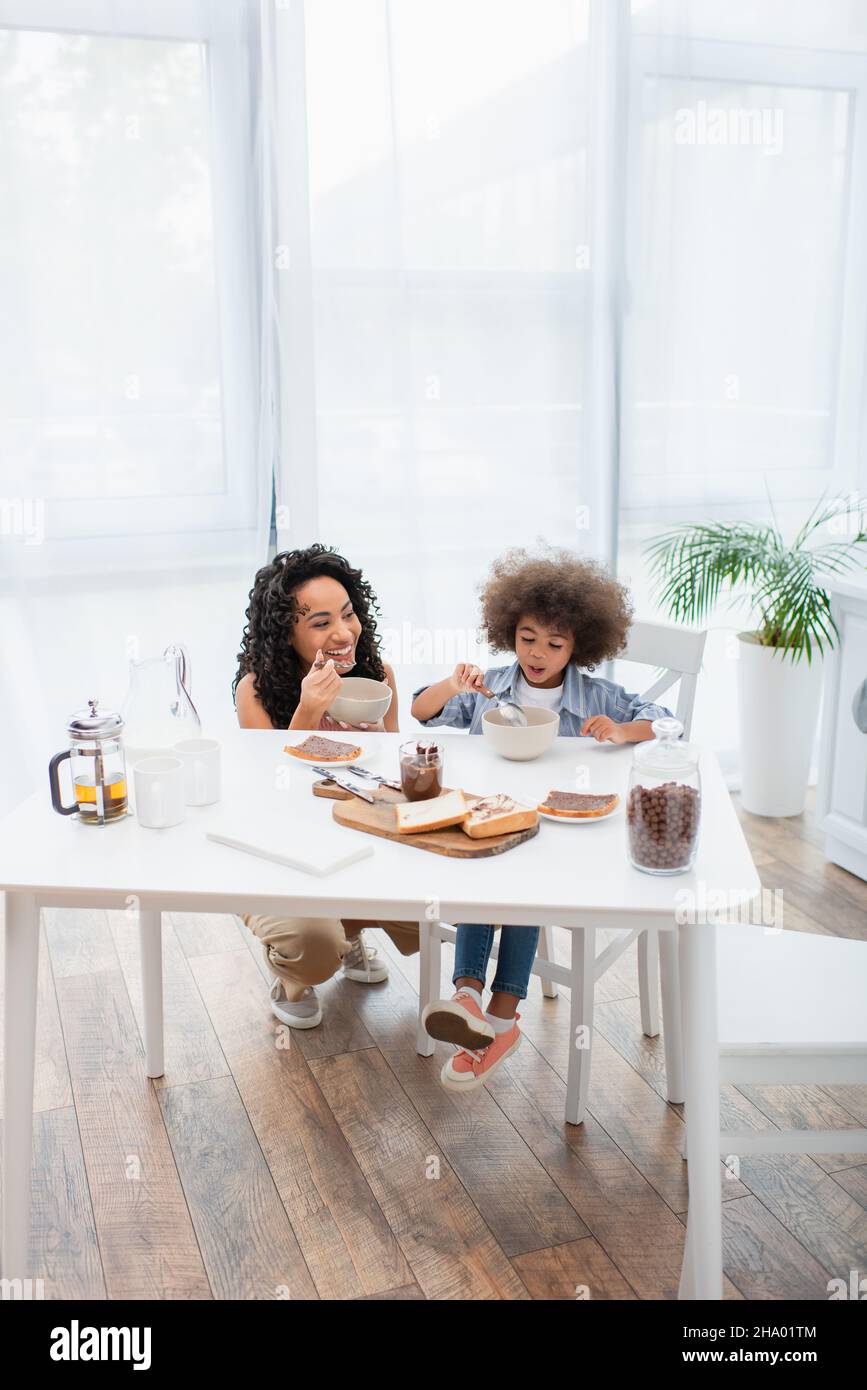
(421, 769)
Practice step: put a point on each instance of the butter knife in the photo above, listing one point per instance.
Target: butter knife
(366, 776)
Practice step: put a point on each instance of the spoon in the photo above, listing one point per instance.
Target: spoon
(512, 714)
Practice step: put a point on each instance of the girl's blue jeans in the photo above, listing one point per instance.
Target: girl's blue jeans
(514, 960)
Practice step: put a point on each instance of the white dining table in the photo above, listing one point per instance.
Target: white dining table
(569, 876)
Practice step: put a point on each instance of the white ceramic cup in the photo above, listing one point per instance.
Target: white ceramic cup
(159, 792)
(201, 760)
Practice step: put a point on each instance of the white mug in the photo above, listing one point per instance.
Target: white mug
(201, 760)
(159, 792)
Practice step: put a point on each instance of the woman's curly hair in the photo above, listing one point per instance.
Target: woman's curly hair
(562, 591)
(273, 612)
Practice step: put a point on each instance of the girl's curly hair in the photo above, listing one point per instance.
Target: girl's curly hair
(273, 612)
(562, 591)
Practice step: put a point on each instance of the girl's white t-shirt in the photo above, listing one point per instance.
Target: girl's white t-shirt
(536, 695)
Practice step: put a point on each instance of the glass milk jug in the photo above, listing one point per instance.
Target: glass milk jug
(158, 710)
(97, 767)
(663, 803)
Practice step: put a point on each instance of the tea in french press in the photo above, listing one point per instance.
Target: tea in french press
(97, 767)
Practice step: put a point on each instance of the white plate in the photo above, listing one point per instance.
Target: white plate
(365, 756)
(580, 820)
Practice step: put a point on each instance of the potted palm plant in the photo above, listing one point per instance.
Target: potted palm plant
(780, 655)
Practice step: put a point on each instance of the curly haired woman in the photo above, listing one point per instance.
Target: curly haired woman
(307, 606)
(311, 620)
(561, 615)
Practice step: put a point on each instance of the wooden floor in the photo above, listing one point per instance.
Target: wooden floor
(339, 1168)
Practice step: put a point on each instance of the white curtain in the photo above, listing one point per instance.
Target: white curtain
(578, 270)
(449, 275)
(743, 362)
(136, 405)
(449, 350)
(746, 233)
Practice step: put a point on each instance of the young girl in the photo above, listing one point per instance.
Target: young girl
(559, 614)
(310, 622)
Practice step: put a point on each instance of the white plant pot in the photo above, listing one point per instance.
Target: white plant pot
(779, 705)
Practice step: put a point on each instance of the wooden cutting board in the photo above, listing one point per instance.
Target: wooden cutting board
(377, 818)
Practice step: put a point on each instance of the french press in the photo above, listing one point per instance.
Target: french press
(97, 765)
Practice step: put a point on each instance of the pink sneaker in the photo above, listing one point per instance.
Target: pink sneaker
(469, 1069)
(458, 1020)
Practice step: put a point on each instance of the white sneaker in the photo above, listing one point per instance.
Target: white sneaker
(363, 963)
(305, 1012)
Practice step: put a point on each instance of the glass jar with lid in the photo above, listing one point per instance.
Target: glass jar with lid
(663, 802)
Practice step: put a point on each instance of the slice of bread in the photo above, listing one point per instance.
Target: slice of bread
(579, 805)
(497, 815)
(323, 750)
(436, 813)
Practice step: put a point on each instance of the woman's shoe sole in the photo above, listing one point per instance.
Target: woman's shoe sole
(448, 1022)
(363, 978)
(477, 1081)
(312, 1022)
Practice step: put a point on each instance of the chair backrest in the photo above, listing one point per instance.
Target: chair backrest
(679, 650)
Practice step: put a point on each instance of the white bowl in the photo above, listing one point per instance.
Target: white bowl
(361, 701)
(521, 744)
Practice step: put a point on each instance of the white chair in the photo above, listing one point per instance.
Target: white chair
(679, 652)
(791, 1010)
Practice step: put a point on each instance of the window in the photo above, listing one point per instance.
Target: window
(747, 222)
(449, 230)
(128, 362)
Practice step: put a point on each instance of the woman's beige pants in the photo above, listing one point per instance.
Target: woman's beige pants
(303, 951)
